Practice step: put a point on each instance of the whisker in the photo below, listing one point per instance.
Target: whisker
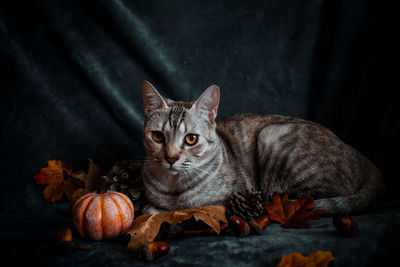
(203, 171)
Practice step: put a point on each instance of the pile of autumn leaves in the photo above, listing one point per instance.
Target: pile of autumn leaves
(62, 180)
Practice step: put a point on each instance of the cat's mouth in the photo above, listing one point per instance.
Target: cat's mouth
(172, 169)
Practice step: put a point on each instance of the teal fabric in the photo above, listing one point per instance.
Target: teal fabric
(377, 244)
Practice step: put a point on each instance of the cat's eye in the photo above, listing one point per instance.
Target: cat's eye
(157, 136)
(191, 139)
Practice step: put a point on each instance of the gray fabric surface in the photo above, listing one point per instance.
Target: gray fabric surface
(376, 244)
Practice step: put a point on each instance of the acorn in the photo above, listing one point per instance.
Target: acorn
(154, 250)
(260, 223)
(345, 224)
(241, 227)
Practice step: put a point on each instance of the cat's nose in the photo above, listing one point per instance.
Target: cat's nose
(171, 160)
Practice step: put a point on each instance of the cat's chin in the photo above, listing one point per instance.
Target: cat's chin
(172, 171)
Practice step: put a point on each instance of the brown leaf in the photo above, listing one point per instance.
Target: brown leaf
(292, 213)
(53, 176)
(64, 234)
(208, 231)
(77, 195)
(146, 227)
(89, 179)
(295, 259)
(61, 179)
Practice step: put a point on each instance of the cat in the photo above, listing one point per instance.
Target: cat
(194, 161)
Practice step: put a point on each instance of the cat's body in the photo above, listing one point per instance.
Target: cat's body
(274, 154)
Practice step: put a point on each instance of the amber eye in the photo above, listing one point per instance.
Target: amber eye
(191, 139)
(157, 136)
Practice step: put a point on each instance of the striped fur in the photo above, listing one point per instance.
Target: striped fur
(276, 154)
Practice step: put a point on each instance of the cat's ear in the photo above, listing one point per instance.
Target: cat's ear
(151, 98)
(208, 102)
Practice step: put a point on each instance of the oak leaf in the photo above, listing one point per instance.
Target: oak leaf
(207, 231)
(146, 227)
(53, 175)
(316, 259)
(292, 213)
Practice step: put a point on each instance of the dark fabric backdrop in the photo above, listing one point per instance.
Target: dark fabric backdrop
(71, 73)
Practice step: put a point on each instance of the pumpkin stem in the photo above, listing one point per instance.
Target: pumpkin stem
(102, 185)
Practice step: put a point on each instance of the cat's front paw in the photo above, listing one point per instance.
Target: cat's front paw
(151, 209)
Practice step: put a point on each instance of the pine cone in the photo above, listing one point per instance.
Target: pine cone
(125, 177)
(247, 205)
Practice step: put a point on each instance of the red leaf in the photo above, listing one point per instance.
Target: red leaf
(53, 176)
(318, 259)
(61, 179)
(292, 213)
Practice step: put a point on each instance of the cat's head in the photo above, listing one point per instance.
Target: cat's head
(177, 135)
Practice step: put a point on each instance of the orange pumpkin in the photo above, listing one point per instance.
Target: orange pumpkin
(102, 215)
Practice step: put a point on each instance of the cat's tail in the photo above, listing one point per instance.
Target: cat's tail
(368, 197)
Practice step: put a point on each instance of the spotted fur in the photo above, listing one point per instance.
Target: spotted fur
(275, 154)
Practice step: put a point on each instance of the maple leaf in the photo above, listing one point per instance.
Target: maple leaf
(53, 176)
(146, 227)
(318, 259)
(61, 179)
(292, 213)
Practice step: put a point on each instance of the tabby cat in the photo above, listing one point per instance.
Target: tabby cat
(194, 161)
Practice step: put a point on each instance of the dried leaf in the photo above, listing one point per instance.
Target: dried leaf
(146, 227)
(295, 259)
(208, 231)
(54, 177)
(292, 213)
(77, 195)
(64, 234)
(89, 179)
(61, 179)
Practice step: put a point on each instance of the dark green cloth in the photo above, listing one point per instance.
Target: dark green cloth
(377, 244)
